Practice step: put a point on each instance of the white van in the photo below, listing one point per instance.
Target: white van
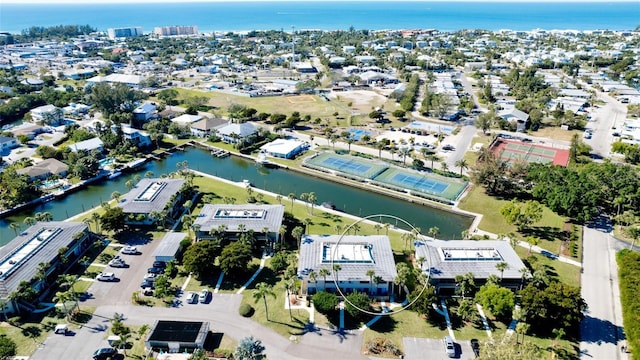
(449, 347)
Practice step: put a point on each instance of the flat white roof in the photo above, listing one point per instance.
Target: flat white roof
(347, 253)
(281, 146)
(22, 253)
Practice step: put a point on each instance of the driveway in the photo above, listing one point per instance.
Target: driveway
(601, 330)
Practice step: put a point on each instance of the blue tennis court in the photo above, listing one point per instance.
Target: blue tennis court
(342, 164)
(357, 134)
(420, 183)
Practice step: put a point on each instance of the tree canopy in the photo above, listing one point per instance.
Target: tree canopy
(235, 257)
(200, 257)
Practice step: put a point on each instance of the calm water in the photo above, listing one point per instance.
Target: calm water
(330, 15)
(348, 199)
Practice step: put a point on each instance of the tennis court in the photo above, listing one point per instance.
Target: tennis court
(428, 183)
(512, 150)
(348, 165)
(357, 134)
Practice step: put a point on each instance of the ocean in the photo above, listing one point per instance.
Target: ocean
(329, 15)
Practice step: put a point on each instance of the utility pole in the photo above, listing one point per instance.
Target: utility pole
(293, 46)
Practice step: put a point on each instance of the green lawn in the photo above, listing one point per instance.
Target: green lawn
(566, 273)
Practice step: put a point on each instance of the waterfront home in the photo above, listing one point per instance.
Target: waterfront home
(27, 129)
(88, 145)
(444, 260)
(233, 219)
(151, 197)
(186, 119)
(7, 143)
(47, 114)
(356, 255)
(56, 244)
(233, 133)
(206, 127)
(45, 169)
(284, 148)
(144, 112)
(138, 137)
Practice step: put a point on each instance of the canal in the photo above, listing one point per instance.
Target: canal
(348, 199)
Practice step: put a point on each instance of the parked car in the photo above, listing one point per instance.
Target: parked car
(147, 284)
(475, 346)
(204, 295)
(61, 329)
(159, 264)
(117, 263)
(549, 254)
(104, 353)
(155, 270)
(448, 147)
(192, 298)
(130, 250)
(150, 277)
(106, 276)
(449, 347)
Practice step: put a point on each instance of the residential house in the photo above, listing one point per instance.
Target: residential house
(356, 255)
(138, 137)
(44, 169)
(57, 244)
(513, 114)
(233, 133)
(206, 127)
(150, 197)
(144, 112)
(263, 220)
(444, 260)
(47, 114)
(7, 143)
(88, 145)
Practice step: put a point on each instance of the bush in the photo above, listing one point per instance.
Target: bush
(325, 302)
(246, 310)
(280, 261)
(359, 299)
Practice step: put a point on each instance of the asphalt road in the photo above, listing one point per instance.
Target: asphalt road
(601, 331)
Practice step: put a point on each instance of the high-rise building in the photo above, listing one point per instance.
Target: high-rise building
(115, 33)
(175, 30)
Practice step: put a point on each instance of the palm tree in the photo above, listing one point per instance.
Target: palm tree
(336, 269)
(324, 272)
(130, 184)
(404, 152)
(292, 197)
(370, 273)
(402, 276)
(462, 164)
(311, 198)
(434, 231)
(15, 227)
(444, 166)
(96, 219)
(289, 284)
(261, 291)
(380, 145)
(188, 205)
(297, 233)
(279, 198)
(313, 277)
(502, 266)
(281, 232)
(115, 196)
(377, 227)
(29, 221)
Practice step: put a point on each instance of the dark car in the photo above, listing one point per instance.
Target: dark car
(147, 284)
(155, 270)
(448, 147)
(475, 346)
(104, 353)
(549, 255)
(159, 264)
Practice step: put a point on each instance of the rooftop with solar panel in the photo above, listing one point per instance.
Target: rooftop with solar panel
(469, 254)
(16, 258)
(150, 195)
(347, 253)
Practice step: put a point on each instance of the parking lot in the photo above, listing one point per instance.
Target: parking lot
(422, 348)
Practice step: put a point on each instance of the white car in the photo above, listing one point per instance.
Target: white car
(117, 263)
(204, 295)
(192, 298)
(106, 276)
(150, 277)
(130, 250)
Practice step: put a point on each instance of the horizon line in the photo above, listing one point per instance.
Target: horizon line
(83, 2)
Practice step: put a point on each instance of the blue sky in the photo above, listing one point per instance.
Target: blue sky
(156, 1)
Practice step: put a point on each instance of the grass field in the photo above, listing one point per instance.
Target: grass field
(565, 273)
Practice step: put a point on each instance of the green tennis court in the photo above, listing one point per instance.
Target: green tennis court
(348, 164)
(428, 183)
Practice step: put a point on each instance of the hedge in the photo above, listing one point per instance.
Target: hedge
(629, 276)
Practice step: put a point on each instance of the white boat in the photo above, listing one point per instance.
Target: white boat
(114, 175)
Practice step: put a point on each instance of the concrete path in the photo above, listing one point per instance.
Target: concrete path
(514, 322)
(445, 312)
(485, 322)
(341, 305)
(219, 283)
(264, 258)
